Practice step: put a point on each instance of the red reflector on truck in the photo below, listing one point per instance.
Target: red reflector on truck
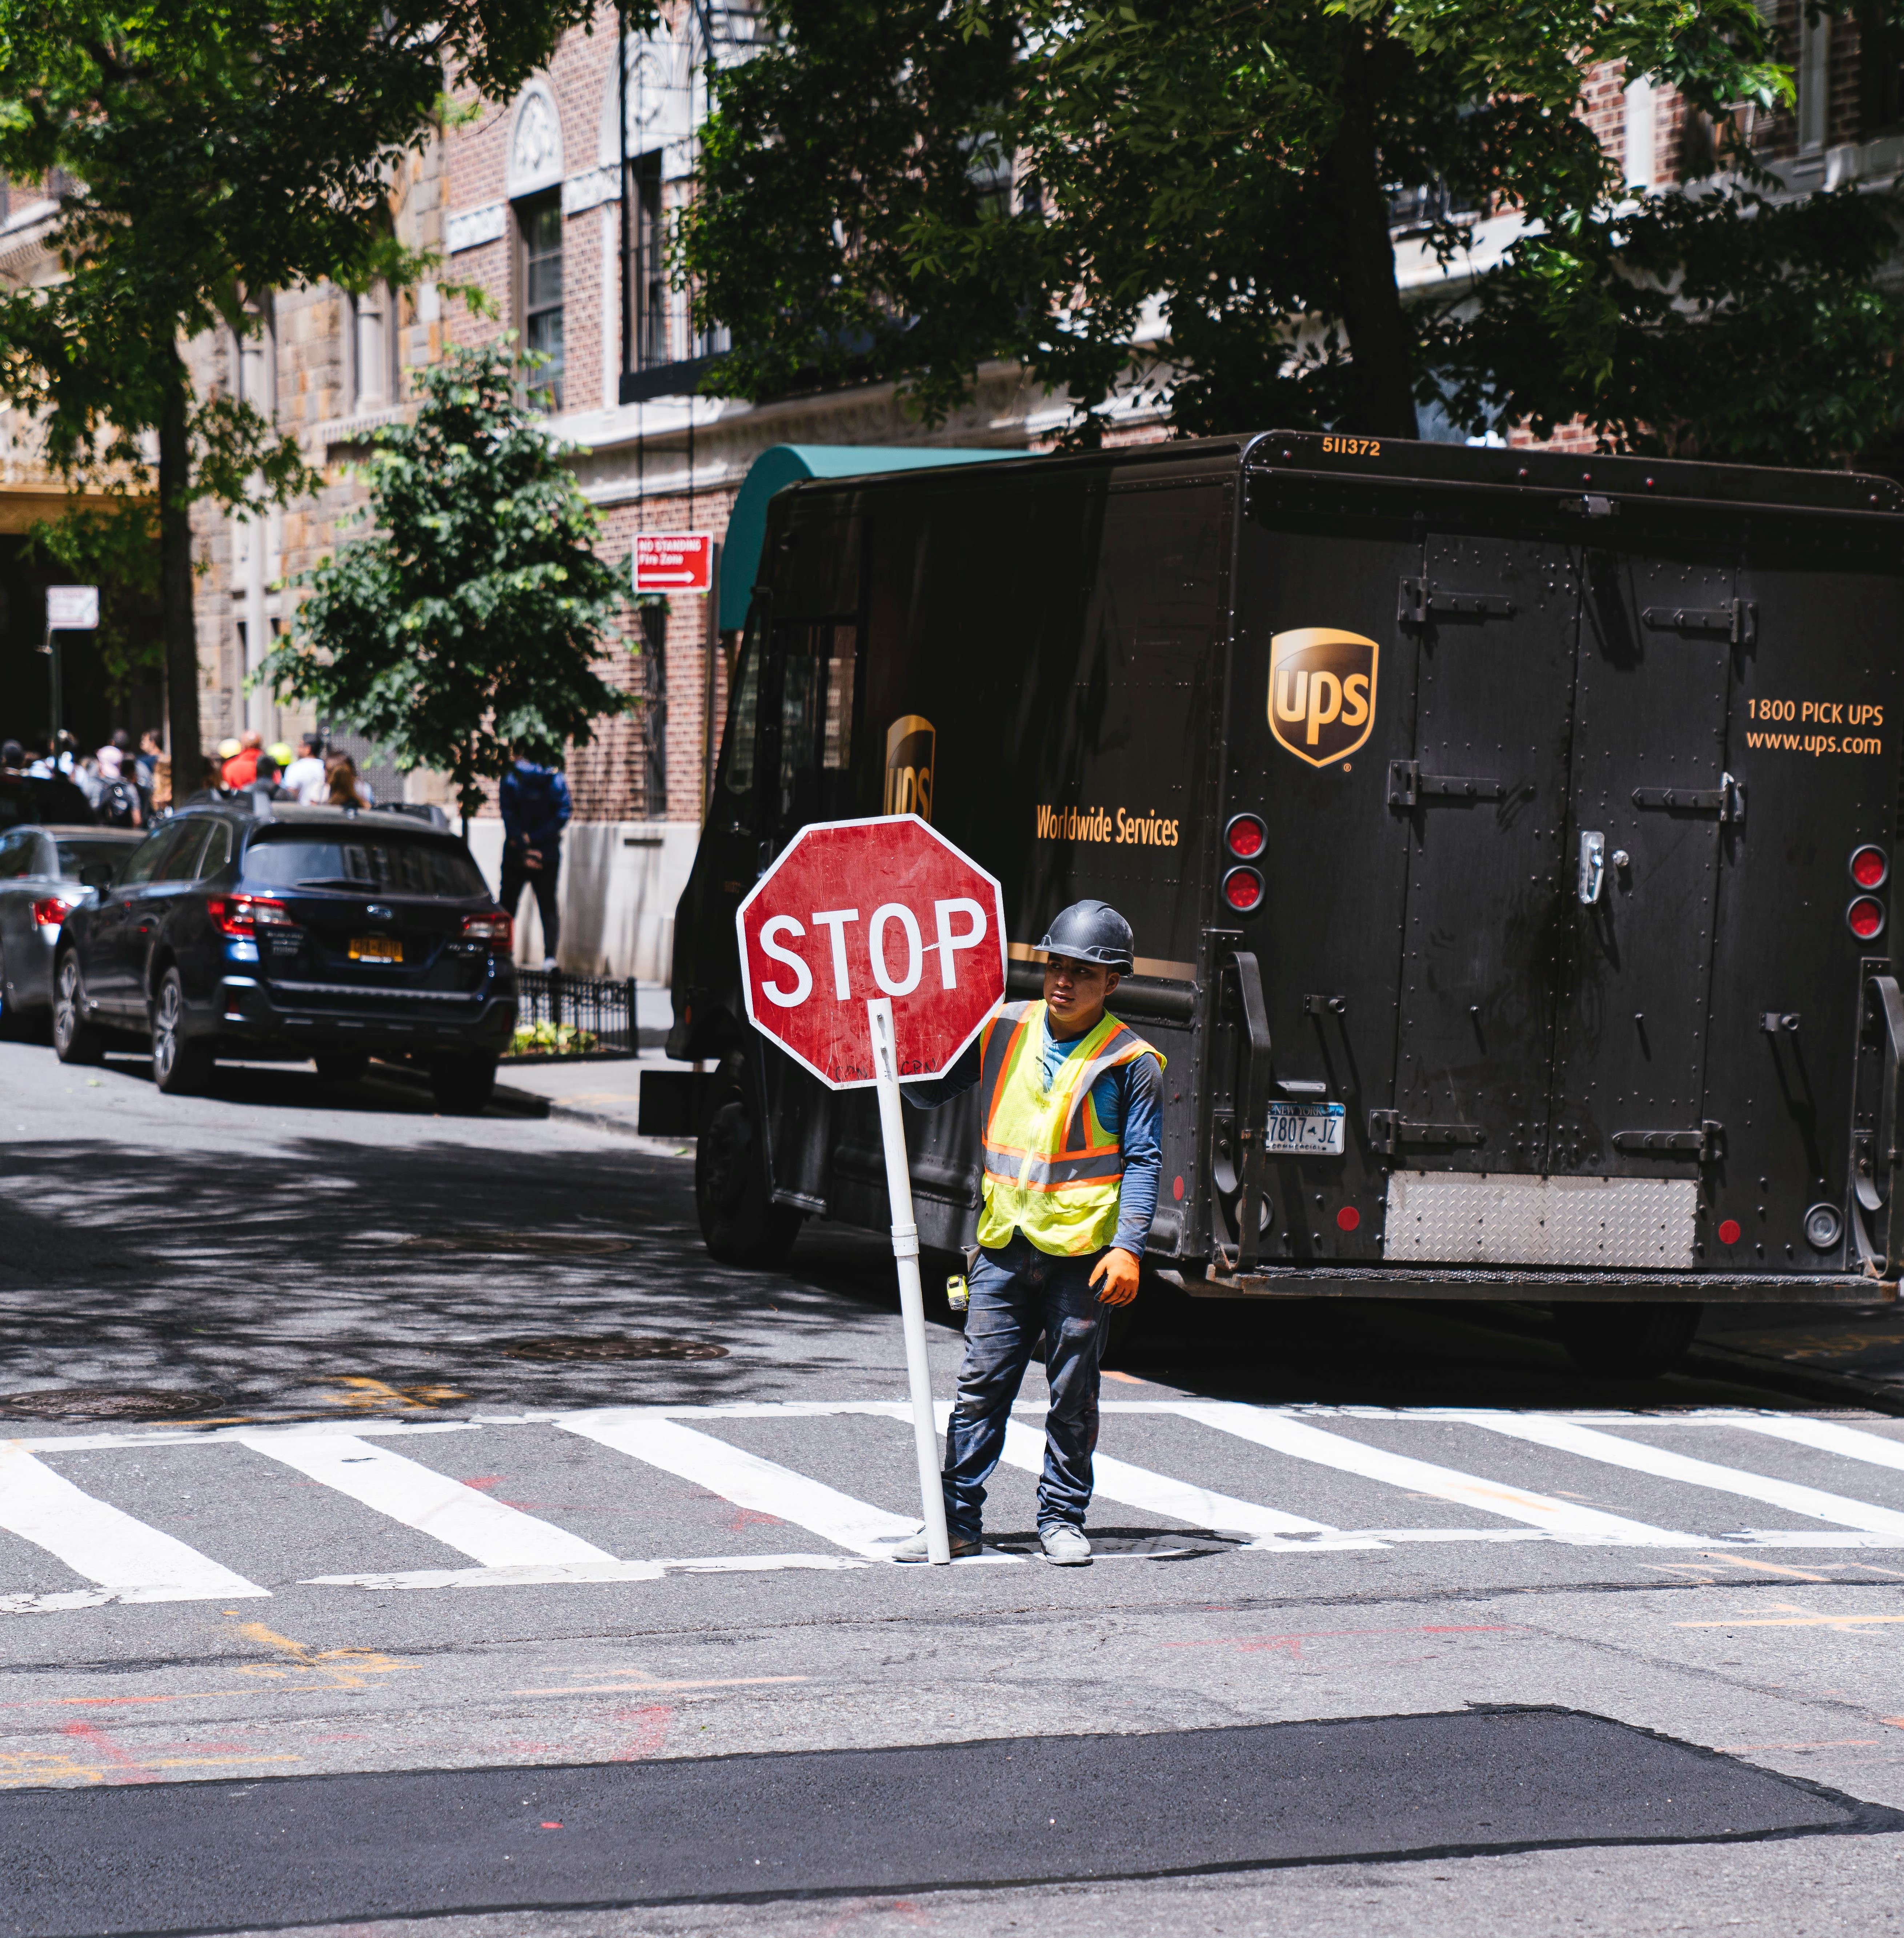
(1247, 837)
(1728, 1231)
(1870, 867)
(1866, 918)
(1348, 1218)
(1243, 889)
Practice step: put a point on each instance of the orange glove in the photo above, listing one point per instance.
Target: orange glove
(1118, 1271)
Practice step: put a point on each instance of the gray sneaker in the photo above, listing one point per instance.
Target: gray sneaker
(1065, 1545)
(913, 1548)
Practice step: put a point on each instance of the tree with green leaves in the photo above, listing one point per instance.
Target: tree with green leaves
(465, 623)
(898, 189)
(207, 153)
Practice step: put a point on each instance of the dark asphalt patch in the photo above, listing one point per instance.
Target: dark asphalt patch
(214, 1856)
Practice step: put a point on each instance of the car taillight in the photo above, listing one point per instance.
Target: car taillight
(1866, 918)
(1870, 867)
(1246, 836)
(51, 912)
(240, 915)
(1243, 889)
(498, 931)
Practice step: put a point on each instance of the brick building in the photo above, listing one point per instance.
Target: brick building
(524, 200)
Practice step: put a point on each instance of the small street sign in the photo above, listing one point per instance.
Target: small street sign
(72, 608)
(674, 561)
(872, 950)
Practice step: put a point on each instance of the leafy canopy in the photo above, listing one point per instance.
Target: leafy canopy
(896, 189)
(206, 153)
(467, 620)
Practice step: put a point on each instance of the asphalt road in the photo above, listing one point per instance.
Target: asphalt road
(355, 1446)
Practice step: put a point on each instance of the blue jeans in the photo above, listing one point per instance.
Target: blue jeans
(1019, 1292)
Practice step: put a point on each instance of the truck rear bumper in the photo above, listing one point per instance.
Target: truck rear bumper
(1467, 1283)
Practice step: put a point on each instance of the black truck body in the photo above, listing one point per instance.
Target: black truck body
(1532, 809)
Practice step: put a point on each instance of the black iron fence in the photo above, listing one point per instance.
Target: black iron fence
(558, 1014)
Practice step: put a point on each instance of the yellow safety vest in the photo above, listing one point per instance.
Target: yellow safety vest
(1051, 1170)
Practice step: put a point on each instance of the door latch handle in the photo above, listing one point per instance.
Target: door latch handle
(1592, 865)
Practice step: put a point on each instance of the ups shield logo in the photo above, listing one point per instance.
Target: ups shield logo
(910, 743)
(1321, 692)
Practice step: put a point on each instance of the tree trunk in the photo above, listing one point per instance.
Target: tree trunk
(1380, 387)
(180, 627)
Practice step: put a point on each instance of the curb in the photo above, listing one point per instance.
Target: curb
(533, 1103)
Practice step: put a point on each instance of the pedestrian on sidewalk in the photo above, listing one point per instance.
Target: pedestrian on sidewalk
(1072, 1104)
(305, 779)
(241, 769)
(536, 808)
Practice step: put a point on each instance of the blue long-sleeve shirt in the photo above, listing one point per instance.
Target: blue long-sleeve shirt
(535, 804)
(1129, 1102)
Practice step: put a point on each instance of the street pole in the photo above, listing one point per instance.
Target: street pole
(906, 1254)
(51, 649)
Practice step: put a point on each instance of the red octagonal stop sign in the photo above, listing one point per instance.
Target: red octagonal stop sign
(851, 910)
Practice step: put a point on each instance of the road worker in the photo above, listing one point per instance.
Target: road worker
(1073, 1111)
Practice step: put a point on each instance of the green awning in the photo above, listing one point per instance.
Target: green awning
(786, 464)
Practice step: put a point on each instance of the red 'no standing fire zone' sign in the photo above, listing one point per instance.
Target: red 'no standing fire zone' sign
(854, 911)
(674, 561)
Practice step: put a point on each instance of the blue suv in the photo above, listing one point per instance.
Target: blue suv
(299, 932)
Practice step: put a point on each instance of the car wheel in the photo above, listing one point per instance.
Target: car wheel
(10, 1019)
(342, 1066)
(463, 1085)
(740, 1224)
(179, 1065)
(74, 1040)
(1637, 1341)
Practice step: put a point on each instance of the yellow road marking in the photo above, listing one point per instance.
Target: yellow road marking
(347, 1667)
(1794, 1618)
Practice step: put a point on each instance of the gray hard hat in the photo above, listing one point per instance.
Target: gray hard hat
(1090, 932)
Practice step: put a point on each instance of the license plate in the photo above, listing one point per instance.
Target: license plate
(375, 949)
(1307, 1130)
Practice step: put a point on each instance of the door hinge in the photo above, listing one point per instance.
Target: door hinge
(1737, 620)
(1708, 1142)
(1422, 602)
(1389, 1130)
(1727, 800)
(1409, 786)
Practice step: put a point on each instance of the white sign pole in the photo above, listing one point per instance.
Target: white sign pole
(905, 1252)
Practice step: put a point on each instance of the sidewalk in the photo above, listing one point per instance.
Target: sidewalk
(605, 1092)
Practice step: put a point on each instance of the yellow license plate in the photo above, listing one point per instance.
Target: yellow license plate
(375, 949)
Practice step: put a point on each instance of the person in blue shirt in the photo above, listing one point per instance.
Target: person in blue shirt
(536, 808)
(1072, 1105)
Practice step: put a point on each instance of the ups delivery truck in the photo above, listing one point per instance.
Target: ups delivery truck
(1508, 837)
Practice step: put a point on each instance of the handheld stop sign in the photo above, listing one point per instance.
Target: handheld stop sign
(873, 951)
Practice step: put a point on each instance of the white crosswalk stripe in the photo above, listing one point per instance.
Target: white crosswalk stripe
(1561, 1521)
(744, 1478)
(488, 1544)
(126, 1560)
(1569, 1436)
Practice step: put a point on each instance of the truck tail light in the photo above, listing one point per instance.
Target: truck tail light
(1866, 918)
(1870, 867)
(1242, 889)
(52, 910)
(242, 915)
(1246, 836)
(498, 931)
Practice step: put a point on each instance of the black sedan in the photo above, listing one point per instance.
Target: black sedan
(314, 932)
(45, 873)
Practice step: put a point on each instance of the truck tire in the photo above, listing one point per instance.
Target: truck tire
(740, 1224)
(74, 1040)
(1636, 1341)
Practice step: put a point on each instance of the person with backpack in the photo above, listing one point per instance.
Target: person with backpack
(536, 808)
